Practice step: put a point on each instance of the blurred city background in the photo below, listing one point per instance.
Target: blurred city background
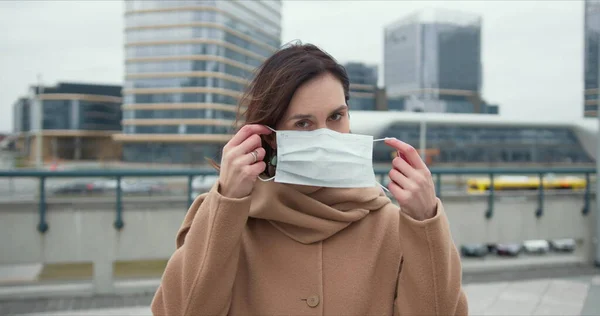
(112, 108)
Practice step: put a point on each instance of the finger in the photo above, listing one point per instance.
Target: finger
(411, 154)
(401, 180)
(251, 143)
(248, 158)
(247, 131)
(403, 166)
(401, 195)
(256, 169)
(403, 157)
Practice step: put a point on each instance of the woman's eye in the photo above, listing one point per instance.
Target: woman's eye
(336, 117)
(302, 124)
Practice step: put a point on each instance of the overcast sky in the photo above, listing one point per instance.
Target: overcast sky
(532, 50)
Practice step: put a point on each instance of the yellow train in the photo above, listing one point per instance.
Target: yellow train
(550, 182)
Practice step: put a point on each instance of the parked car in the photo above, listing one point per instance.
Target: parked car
(204, 183)
(143, 187)
(110, 185)
(78, 187)
(536, 246)
(563, 245)
(509, 250)
(474, 250)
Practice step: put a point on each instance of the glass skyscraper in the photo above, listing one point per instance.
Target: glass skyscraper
(186, 65)
(591, 51)
(432, 62)
(363, 86)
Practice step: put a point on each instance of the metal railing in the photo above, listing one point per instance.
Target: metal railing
(437, 173)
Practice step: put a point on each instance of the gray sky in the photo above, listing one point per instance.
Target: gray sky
(532, 50)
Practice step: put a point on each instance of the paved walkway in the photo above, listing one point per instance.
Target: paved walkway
(99, 305)
(551, 296)
(576, 296)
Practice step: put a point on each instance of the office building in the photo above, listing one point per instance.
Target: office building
(485, 140)
(432, 63)
(363, 86)
(78, 121)
(186, 65)
(591, 31)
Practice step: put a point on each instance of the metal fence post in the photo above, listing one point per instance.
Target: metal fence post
(540, 210)
(490, 211)
(42, 225)
(586, 196)
(119, 219)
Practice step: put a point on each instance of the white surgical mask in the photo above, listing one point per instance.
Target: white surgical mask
(324, 158)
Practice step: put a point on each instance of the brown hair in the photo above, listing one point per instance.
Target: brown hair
(268, 96)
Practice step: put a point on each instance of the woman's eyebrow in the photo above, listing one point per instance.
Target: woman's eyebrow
(301, 116)
(341, 107)
(307, 116)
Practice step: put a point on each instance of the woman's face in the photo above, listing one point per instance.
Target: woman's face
(319, 103)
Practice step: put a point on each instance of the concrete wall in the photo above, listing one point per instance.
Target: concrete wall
(82, 230)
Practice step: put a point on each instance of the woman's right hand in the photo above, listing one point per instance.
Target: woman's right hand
(239, 165)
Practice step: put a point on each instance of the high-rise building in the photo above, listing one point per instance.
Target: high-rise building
(186, 65)
(78, 121)
(363, 86)
(432, 62)
(591, 60)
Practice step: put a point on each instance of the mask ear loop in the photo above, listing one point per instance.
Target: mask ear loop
(273, 177)
(384, 188)
(382, 139)
(266, 180)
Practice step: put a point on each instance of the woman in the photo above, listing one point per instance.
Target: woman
(269, 248)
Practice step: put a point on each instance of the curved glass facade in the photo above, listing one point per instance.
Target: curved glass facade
(180, 82)
(180, 114)
(214, 45)
(180, 98)
(191, 49)
(187, 33)
(484, 144)
(187, 66)
(177, 129)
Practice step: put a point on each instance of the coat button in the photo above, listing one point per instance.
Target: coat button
(312, 301)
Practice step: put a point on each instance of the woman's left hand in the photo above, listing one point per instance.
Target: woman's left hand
(411, 182)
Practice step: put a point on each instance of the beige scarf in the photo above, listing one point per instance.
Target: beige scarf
(311, 214)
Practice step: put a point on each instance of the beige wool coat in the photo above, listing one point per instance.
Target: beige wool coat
(297, 250)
